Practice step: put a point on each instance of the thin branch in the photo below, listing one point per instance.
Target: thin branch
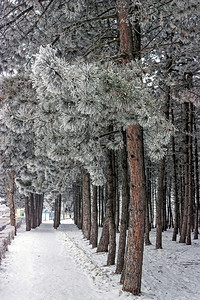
(156, 47)
(108, 133)
(19, 16)
(114, 16)
(100, 46)
(40, 17)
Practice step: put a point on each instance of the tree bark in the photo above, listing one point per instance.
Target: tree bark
(109, 208)
(159, 204)
(11, 190)
(186, 175)
(132, 273)
(27, 214)
(94, 226)
(55, 224)
(196, 184)
(175, 188)
(124, 212)
(148, 201)
(117, 208)
(59, 208)
(135, 243)
(190, 167)
(86, 208)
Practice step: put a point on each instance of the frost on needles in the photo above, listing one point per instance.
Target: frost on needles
(90, 96)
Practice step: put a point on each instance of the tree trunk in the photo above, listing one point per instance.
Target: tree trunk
(117, 208)
(27, 214)
(159, 204)
(132, 273)
(55, 224)
(11, 190)
(148, 201)
(186, 175)
(86, 208)
(175, 188)
(124, 212)
(109, 208)
(135, 243)
(59, 208)
(94, 226)
(196, 184)
(190, 167)
(104, 240)
(32, 209)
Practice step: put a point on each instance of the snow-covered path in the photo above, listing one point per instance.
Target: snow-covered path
(48, 264)
(39, 265)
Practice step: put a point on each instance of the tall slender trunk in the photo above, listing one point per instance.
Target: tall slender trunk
(59, 208)
(124, 211)
(10, 191)
(175, 188)
(94, 226)
(161, 191)
(190, 167)
(57, 212)
(159, 203)
(186, 175)
(109, 208)
(86, 207)
(196, 184)
(27, 214)
(148, 201)
(132, 272)
(32, 209)
(117, 208)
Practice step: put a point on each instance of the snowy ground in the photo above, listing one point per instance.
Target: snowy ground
(48, 264)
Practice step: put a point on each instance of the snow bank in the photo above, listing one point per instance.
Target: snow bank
(169, 273)
(6, 236)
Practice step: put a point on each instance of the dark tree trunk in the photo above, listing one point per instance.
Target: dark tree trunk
(159, 204)
(86, 207)
(196, 184)
(59, 208)
(186, 175)
(148, 201)
(111, 197)
(55, 224)
(102, 204)
(175, 188)
(190, 167)
(117, 196)
(27, 214)
(94, 226)
(124, 212)
(32, 209)
(10, 190)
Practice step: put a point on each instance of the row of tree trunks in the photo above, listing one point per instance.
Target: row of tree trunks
(33, 210)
